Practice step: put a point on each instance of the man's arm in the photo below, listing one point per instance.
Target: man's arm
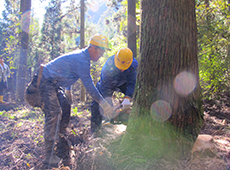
(84, 75)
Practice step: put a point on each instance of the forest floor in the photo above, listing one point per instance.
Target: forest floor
(22, 142)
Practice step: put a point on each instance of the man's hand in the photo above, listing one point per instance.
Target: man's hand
(126, 103)
(107, 109)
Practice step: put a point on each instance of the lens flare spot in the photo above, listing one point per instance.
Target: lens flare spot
(94, 6)
(25, 21)
(132, 24)
(161, 111)
(184, 83)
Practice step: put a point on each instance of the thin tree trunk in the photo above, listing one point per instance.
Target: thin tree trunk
(82, 45)
(25, 7)
(228, 50)
(132, 27)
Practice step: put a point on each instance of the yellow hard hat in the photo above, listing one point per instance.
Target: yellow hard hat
(123, 58)
(100, 41)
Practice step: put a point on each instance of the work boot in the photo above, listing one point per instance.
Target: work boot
(51, 159)
(1, 99)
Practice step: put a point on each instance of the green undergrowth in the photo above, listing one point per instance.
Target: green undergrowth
(20, 118)
(146, 141)
(23, 113)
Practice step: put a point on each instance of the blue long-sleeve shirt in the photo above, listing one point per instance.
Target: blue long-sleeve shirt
(68, 68)
(112, 78)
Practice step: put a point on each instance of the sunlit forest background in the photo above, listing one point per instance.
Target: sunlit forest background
(58, 32)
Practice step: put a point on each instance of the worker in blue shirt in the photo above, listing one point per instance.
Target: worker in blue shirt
(118, 73)
(61, 73)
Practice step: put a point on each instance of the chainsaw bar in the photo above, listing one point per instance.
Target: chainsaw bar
(122, 116)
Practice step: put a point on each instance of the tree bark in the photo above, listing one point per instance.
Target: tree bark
(167, 114)
(25, 7)
(228, 53)
(82, 45)
(132, 27)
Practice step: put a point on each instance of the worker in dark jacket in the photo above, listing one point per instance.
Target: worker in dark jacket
(118, 73)
(60, 73)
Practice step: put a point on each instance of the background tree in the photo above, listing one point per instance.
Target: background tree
(228, 51)
(25, 7)
(33, 60)
(51, 31)
(71, 27)
(82, 45)
(132, 42)
(167, 112)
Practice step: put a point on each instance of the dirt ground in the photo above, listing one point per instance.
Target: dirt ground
(22, 143)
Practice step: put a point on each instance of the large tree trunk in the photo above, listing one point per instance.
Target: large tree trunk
(25, 6)
(167, 111)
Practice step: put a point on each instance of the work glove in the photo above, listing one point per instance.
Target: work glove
(126, 103)
(69, 95)
(107, 110)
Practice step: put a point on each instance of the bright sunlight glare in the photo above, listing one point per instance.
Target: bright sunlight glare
(132, 24)
(94, 6)
(25, 21)
(160, 111)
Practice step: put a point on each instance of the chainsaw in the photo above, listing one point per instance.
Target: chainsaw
(122, 115)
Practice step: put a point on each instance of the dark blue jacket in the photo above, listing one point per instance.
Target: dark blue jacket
(112, 78)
